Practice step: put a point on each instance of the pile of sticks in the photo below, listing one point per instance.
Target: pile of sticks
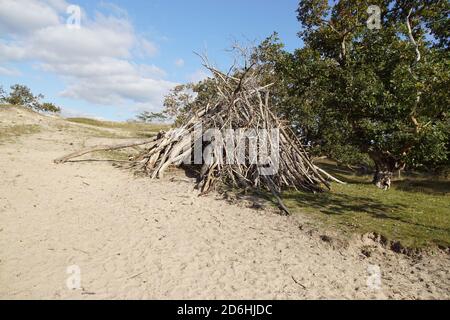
(241, 104)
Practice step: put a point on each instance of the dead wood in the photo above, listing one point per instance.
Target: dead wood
(101, 148)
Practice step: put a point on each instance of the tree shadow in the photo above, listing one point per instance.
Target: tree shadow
(339, 204)
(439, 187)
(411, 181)
(335, 204)
(346, 174)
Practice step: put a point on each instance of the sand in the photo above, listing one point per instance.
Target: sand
(134, 238)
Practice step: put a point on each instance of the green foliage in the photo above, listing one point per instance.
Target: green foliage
(150, 117)
(49, 107)
(178, 102)
(352, 91)
(2, 94)
(185, 99)
(21, 95)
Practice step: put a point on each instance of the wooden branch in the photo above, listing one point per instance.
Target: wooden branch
(281, 204)
(411, 36)
(102, 148)
(329, 176)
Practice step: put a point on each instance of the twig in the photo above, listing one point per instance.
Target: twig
(295, 280)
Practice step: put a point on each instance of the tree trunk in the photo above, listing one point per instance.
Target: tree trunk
(385, 166)
(382, 179)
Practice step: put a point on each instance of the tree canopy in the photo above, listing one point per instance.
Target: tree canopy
(149, 117)
(21, 95)
(354, 90)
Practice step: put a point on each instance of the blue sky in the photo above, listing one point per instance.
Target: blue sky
(127, 54)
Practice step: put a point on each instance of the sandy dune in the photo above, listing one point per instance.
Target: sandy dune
(136, 238)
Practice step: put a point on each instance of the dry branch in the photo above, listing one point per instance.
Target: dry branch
(101, 148)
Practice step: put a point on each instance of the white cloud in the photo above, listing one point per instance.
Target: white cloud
(23, 16)
(115, 9)
(146, 48)
(11, 52)
(120, 90)
(10, 72)
(72, 113)
(152, 71)
(179, 63)
(95, 61)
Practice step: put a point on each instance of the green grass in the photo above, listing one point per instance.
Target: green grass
(141, 130)
(6, 133)
(415, 212)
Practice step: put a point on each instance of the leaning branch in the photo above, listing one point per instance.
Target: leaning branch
(411, 36)
(102, 148)
(329, 176)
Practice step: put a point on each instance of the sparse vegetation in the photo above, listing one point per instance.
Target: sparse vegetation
(130, 129)
(7, 133)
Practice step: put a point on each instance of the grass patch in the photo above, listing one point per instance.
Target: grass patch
(119, 134)
(416, 211)
(15, 131)
(135, 129)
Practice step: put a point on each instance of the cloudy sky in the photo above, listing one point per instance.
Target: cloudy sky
(126, 54)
